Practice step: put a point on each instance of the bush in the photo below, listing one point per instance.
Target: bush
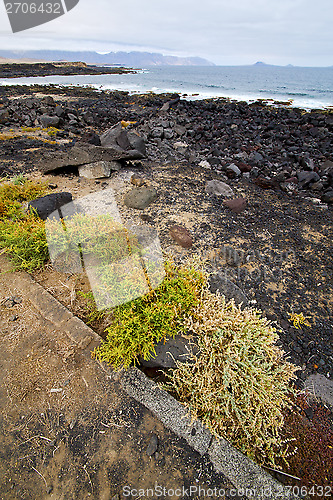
(25, 241)
(313, 457)
(23, 235)
(239, 386)
(139, 324)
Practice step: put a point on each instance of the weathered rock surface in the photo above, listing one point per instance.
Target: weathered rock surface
(48, 121)
(81, 154)
(237, 205)
(119, 139)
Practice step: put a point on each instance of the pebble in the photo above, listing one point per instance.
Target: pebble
(218, 188)
(152, 446)
(137, 181)
(204, 164)
(237, 205)
(181, 235)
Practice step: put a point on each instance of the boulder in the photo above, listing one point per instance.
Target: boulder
(121, 140)
(48, 121)
(90, 137)
(4, 115)
(327, 197)
(79, 154)
(307, 177)
(173, 102)
(45, 205)
(59, 111)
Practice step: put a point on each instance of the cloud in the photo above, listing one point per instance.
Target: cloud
(238, 32)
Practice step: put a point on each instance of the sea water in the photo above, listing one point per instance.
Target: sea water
(307, 88)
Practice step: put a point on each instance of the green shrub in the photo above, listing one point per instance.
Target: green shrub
(21, 234)
(25, 241)
(139, 324)
(240, 385)
(12, 194)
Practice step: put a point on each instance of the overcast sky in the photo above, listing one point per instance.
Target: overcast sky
(227, 32)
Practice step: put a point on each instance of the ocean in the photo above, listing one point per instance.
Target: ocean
(307, 88)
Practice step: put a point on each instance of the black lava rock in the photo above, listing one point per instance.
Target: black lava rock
(47, 204)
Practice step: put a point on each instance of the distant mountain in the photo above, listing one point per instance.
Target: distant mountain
(130, 59)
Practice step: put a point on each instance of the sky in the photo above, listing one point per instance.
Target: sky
(226, 32)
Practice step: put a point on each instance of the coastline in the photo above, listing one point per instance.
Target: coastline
(305, 88)
(273, 248)
(277, 153)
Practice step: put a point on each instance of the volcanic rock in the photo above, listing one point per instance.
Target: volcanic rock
(327, 197)
(49, 121)
(169, 352)
(121, 140)
(227, 288)
(80, 154)
(4, 115)
(45, 205)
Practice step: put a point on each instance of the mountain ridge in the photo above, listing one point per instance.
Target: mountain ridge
(126, 59)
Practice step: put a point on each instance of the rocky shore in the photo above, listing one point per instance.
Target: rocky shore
(25, 70)
(249, 185)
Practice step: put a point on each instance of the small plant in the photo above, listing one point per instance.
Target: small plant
(299, 319)
(240, 384)
(92, 313)
(12, 194)
(138, 325)
(21, 234)
(19, 180)
(51, 131)
(25, 242)
(313, 459)
(30, 129)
